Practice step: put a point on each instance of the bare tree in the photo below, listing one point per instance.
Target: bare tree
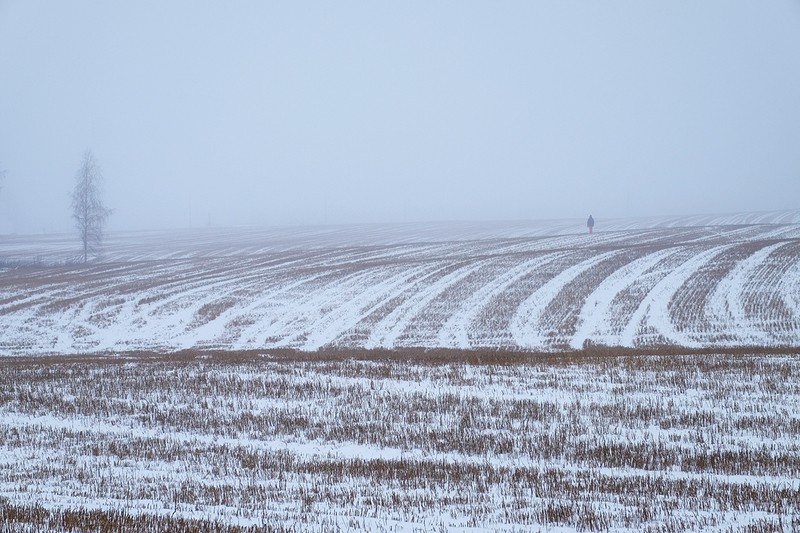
(88, 211)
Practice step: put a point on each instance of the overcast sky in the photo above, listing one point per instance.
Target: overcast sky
(229, 113)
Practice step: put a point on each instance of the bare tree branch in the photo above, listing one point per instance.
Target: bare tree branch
(88, 211)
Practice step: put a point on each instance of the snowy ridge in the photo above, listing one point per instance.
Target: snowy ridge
(389, 286)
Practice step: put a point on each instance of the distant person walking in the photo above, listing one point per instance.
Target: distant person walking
(590, 223)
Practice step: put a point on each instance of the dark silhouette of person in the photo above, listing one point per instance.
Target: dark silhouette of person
(590, 223)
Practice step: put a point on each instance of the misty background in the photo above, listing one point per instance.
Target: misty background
(286, 113)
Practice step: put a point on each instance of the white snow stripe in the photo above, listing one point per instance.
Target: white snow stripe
(387, 331)
(454, 332)
(725, 306)
(350, 312)
(525, 324)
(595, 318)
(654, 308)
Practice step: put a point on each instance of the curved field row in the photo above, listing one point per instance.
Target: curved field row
(387, 332)
(692, 287)
(535, 319)
(732, 295)
(458, 326)
(603, 313)
(652, 322)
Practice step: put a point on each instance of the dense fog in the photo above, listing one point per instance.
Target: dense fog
(286, 113)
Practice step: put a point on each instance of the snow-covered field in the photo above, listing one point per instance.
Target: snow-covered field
(105, 424)
(674, 443)
(691, 282)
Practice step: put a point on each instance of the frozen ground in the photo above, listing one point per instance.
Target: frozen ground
(722, 281)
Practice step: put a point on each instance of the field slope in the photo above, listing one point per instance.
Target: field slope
(694, 283)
